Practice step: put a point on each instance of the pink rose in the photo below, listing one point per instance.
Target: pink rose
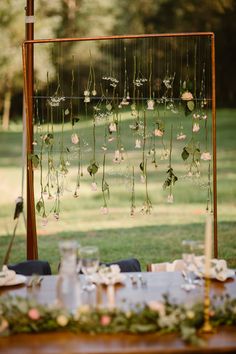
(34, 314)
(105, 320)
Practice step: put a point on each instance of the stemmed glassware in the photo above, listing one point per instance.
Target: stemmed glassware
(89, 263)
(188, 260)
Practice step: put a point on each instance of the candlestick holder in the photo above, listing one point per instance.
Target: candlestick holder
(207, 327)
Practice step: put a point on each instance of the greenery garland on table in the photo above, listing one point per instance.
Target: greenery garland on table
(23, 315)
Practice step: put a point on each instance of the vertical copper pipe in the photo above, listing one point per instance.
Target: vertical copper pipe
(32, 248)
(214, 144)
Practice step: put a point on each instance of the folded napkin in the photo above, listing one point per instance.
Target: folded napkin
(6, 276)
(177, 265)
(108, 275)
(218, 270)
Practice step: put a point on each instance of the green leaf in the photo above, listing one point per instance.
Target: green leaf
(35, 160)
(48, 140)
(185, 154)
(190, 105)
(39, 206)
(197, 154)
(141, 166)
(93, 168)
(109, 107)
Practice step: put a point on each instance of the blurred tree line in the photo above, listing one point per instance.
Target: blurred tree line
(78, 18)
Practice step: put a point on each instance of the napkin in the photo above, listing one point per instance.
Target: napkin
(108, 275)
(218, 270)
(6, 275)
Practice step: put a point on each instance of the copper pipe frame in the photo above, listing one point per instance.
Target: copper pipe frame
(28, 66)
(161, 35)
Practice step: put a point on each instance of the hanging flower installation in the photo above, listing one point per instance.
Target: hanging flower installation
(150, 100)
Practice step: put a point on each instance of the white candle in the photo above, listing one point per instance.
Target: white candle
(208, 244)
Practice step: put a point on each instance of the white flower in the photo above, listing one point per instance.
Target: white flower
(117, 156)
(86, 99)
(124, 102)
(111, 138)
(94, 92)
(170, 199)
(137, 144)
(181, 136)
(187, 96)
(143, 178)
(196, 127)
(62, 320)
(112, 127)
(150, 104)
(86, 93)
(74, 138)
(157, 306)
(204, 116)
(196, 115)
(206, 156)
(158, 132)
(94, 187)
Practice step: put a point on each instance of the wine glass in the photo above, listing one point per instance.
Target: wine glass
(89, 263)
(188, 260)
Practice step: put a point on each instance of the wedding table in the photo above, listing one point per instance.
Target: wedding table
(222, 341)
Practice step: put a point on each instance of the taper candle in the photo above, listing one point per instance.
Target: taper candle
(208, 244)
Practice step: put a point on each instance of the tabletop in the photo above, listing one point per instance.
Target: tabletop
(157, 284)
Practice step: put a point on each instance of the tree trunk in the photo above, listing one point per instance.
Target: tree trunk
(6, 109)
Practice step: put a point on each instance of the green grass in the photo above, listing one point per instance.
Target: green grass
(153, 238)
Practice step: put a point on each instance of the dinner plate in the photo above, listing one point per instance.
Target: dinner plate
(19, 279)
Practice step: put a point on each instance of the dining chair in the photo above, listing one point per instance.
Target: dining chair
(31, 267)
(127, 265)
(176, 265)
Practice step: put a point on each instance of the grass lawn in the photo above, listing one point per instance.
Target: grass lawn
(151, 238)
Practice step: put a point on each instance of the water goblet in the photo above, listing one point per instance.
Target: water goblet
(89, 263)
(188, 260)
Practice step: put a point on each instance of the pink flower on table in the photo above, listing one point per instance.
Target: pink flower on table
(34, 314)
(187, 96)
(105, 320)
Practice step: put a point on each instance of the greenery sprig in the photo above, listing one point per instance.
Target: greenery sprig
(25, 315)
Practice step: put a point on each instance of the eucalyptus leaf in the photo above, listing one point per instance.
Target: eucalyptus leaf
(190, 105)
(185, 154)
(39, 206)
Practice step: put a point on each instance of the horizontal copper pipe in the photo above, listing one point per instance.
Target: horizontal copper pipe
(191, 34)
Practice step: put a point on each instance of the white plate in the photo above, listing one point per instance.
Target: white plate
(19, 279)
